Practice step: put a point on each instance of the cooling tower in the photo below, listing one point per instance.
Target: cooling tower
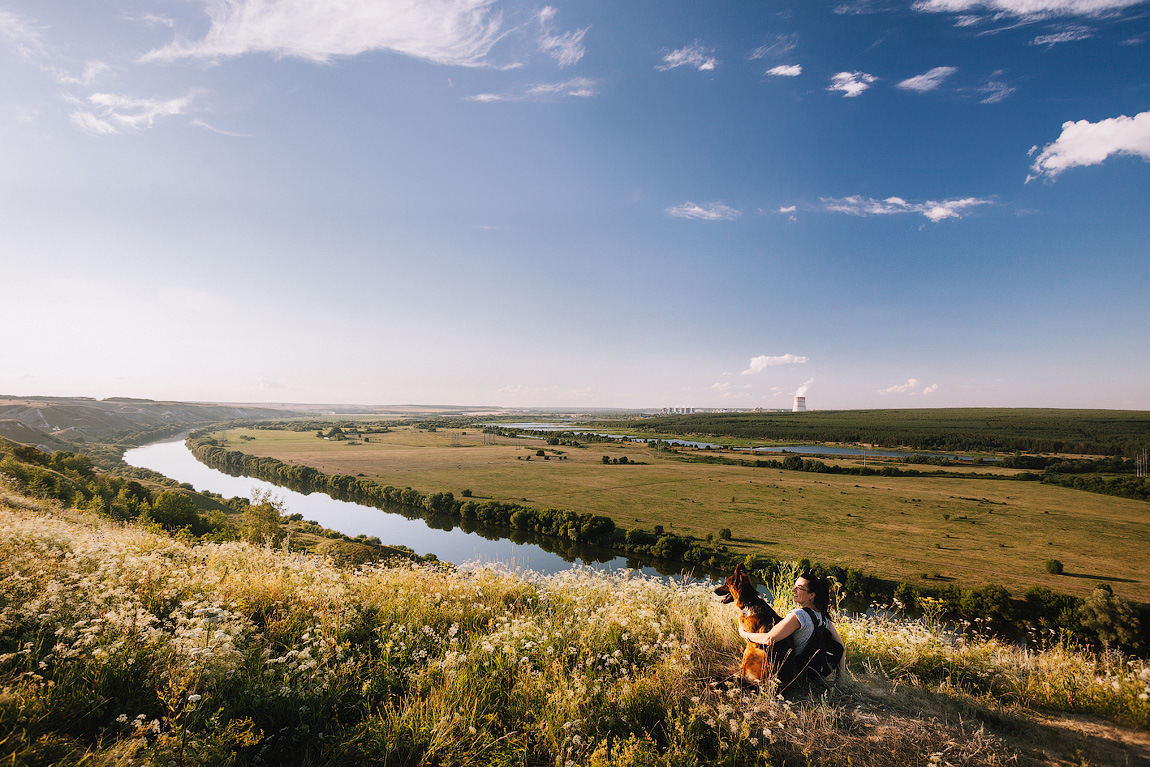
(800, 405)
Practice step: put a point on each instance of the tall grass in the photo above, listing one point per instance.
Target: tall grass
(118, 645)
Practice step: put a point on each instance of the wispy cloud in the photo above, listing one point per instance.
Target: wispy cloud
(107, 113)
(1085, 143)
(232, 134)
(93, 70)
(23, 33)
(857, 205)
(1027, 8)
(763, 361)
(455, 32)
(995, 91)
(152, 20)
(788, 211)
(928, 81)
(785, 70)
(689, 56)
(783, 45)
(1071, 34)
(710, 211)
(861, 7)
(912, 387)
(576, 87)
(728, 389)
(851, 84)
(566, 48)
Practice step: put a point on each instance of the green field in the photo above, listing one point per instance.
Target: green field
(964, 530)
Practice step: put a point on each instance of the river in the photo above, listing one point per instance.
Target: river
(173, 459)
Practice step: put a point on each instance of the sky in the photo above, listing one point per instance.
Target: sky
(872, 203)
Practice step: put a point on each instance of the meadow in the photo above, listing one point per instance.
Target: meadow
(967, 530)
(121, 645)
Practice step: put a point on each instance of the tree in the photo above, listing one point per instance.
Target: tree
(261, 521)
(174, 510)
(991, 602)
(1112, 620)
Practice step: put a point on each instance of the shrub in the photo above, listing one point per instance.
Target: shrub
(1054, 566)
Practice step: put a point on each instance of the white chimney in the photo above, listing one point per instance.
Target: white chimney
(800, 405)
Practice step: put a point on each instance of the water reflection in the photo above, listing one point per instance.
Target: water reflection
(452, 539)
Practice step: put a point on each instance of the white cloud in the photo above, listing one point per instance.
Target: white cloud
(912, 386)
(856, 205)
(106, 113)
(851, 84)
(153, 20)
(804, 388)
(995, 92)
(566, 48)
(788, 209)
(488, 98)
(202, 124)
(1070, 34)
(860, 7)
(576, 87)
(710, 211)
(783, 45)
(727, 387)
(457, 32)
(1086, 143)
(21, 32)
(785, 70)
(1027, 8)
(92, 72)
(928, 81)
(762, 362)
(690, 56)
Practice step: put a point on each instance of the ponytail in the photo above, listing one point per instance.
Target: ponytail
(820, 592)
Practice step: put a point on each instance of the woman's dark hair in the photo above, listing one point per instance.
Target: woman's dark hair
(820, 589)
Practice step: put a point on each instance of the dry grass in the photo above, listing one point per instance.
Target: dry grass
(117, 643)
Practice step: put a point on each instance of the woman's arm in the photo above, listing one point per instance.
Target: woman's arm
(781, 630)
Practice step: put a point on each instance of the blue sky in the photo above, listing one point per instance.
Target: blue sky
(878, 203)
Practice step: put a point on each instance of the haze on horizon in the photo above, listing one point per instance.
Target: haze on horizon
(878, 204)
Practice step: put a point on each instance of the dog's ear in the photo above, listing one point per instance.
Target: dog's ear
(739, 569)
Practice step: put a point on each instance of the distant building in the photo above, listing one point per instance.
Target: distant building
(800, 405)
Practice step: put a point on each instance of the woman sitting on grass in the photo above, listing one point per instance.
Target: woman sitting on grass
(812, 594)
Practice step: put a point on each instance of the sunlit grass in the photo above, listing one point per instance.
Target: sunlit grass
(119, 644)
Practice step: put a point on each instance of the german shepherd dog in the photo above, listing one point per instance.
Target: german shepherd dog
(760, 663)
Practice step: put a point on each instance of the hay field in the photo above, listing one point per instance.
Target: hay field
(962, 530)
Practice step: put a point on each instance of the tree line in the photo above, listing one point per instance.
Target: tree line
(1031, 430)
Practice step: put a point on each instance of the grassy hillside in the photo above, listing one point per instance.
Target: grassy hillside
(967, 529)
(119, 645)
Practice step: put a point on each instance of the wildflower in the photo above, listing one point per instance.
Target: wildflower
(194, 698)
